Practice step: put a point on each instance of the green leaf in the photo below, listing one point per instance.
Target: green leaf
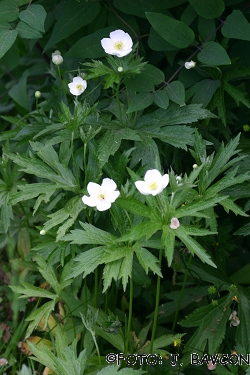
(242, 275)
(157, 43)
(175, 32)
(34, 16)
(229, 180)
(27, 32)
(229, 205)
(191, 209)
(243, 333)
(8, 11)
(208, 9)
(168, 241)
(113, 370)
(138, 8)
(145, 229)
(213, 54)
(236, 26)
(176, 92)
(28, 290)
(193, 246)
(237, 95)
(72, 17)
(42, 313)
(7, 38)
(126, 269)
(144, 82)
(136, 207)
(88, 261)
(140, 101)
(30, 191)
(203, 91)
(89, 46)
(161, 98)
(147, 260)
(90, 235)
(243, 231)
(18, 92)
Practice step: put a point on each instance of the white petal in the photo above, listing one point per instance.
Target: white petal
(117, 35)
(78, 80)
(174, 223)
(112, 196)
(158, 190)
(152, 175)
(103, 205)
(143, 187)
(73, 89)
(122, 53)
(128, 43)
(90, 201)
(165, 180)
(109, 185)
(93, 188)
(107, 44)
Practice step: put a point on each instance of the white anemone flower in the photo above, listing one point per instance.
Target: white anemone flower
(190, 64)
(119, 44)
(174, 223)
(78, 86)
(101, 196)
(153, 183)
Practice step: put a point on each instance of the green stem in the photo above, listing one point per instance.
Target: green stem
(96, 288)
(129, 316)
(181, 294)
(118, 102)
(74, 161)
(157, 300)
(97, 349)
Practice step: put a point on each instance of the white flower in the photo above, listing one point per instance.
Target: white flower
(78, 86)
(235, 321)
(153, 183)
(119, 44)
(57, 58)
(211, 365)
(190, 64)
(101, 196)
(174, 223)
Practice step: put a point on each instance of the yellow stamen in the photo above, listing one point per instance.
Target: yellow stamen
(79, 86)
(153, 185)
(118, 45)
(102, 195)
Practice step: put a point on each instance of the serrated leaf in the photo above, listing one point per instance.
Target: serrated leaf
(176, 92)
(175, 32)
(213, 54)
(88, 261)
(168, 241)
(73, 16)
(196, 206)
(30, 191)
(229, 205)
(126, 269)
(237, 95)
(243, 231)
(236, 26)
(135, 206)
(193, 246)
(34, 16)
(208, 9)
(229, 180)
(145, 229)
(147, 260)
(28, 290)
(42, 313)
(111, 271)
(203, 91)
(90, 235)
(7, 38)
(140, 101)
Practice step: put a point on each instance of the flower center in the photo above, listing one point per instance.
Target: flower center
(79, 86)
(101, 194)
(118, 45)
(153, 185)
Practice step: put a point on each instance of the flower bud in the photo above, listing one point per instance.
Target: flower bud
(38, 94)
(43, 232)
(190, 64)
(120, 69)
(57, 58)
(195, 166)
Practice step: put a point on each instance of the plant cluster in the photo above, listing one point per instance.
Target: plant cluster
(125, 146)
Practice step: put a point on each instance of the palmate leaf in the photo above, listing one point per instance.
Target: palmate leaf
(147, 260)
(89, 235)
(168, 241)
(42, 313)
(212, 322)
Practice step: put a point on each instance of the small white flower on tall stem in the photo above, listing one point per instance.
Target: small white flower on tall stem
(153, 183)
(101, 196)
(78, 86)
(174, 223)
(119, 44)
(235, 321)
(3, 361)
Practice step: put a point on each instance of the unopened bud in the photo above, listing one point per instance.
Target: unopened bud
(43, 232)
(195, 166)
(120, 69)
(38, 94)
